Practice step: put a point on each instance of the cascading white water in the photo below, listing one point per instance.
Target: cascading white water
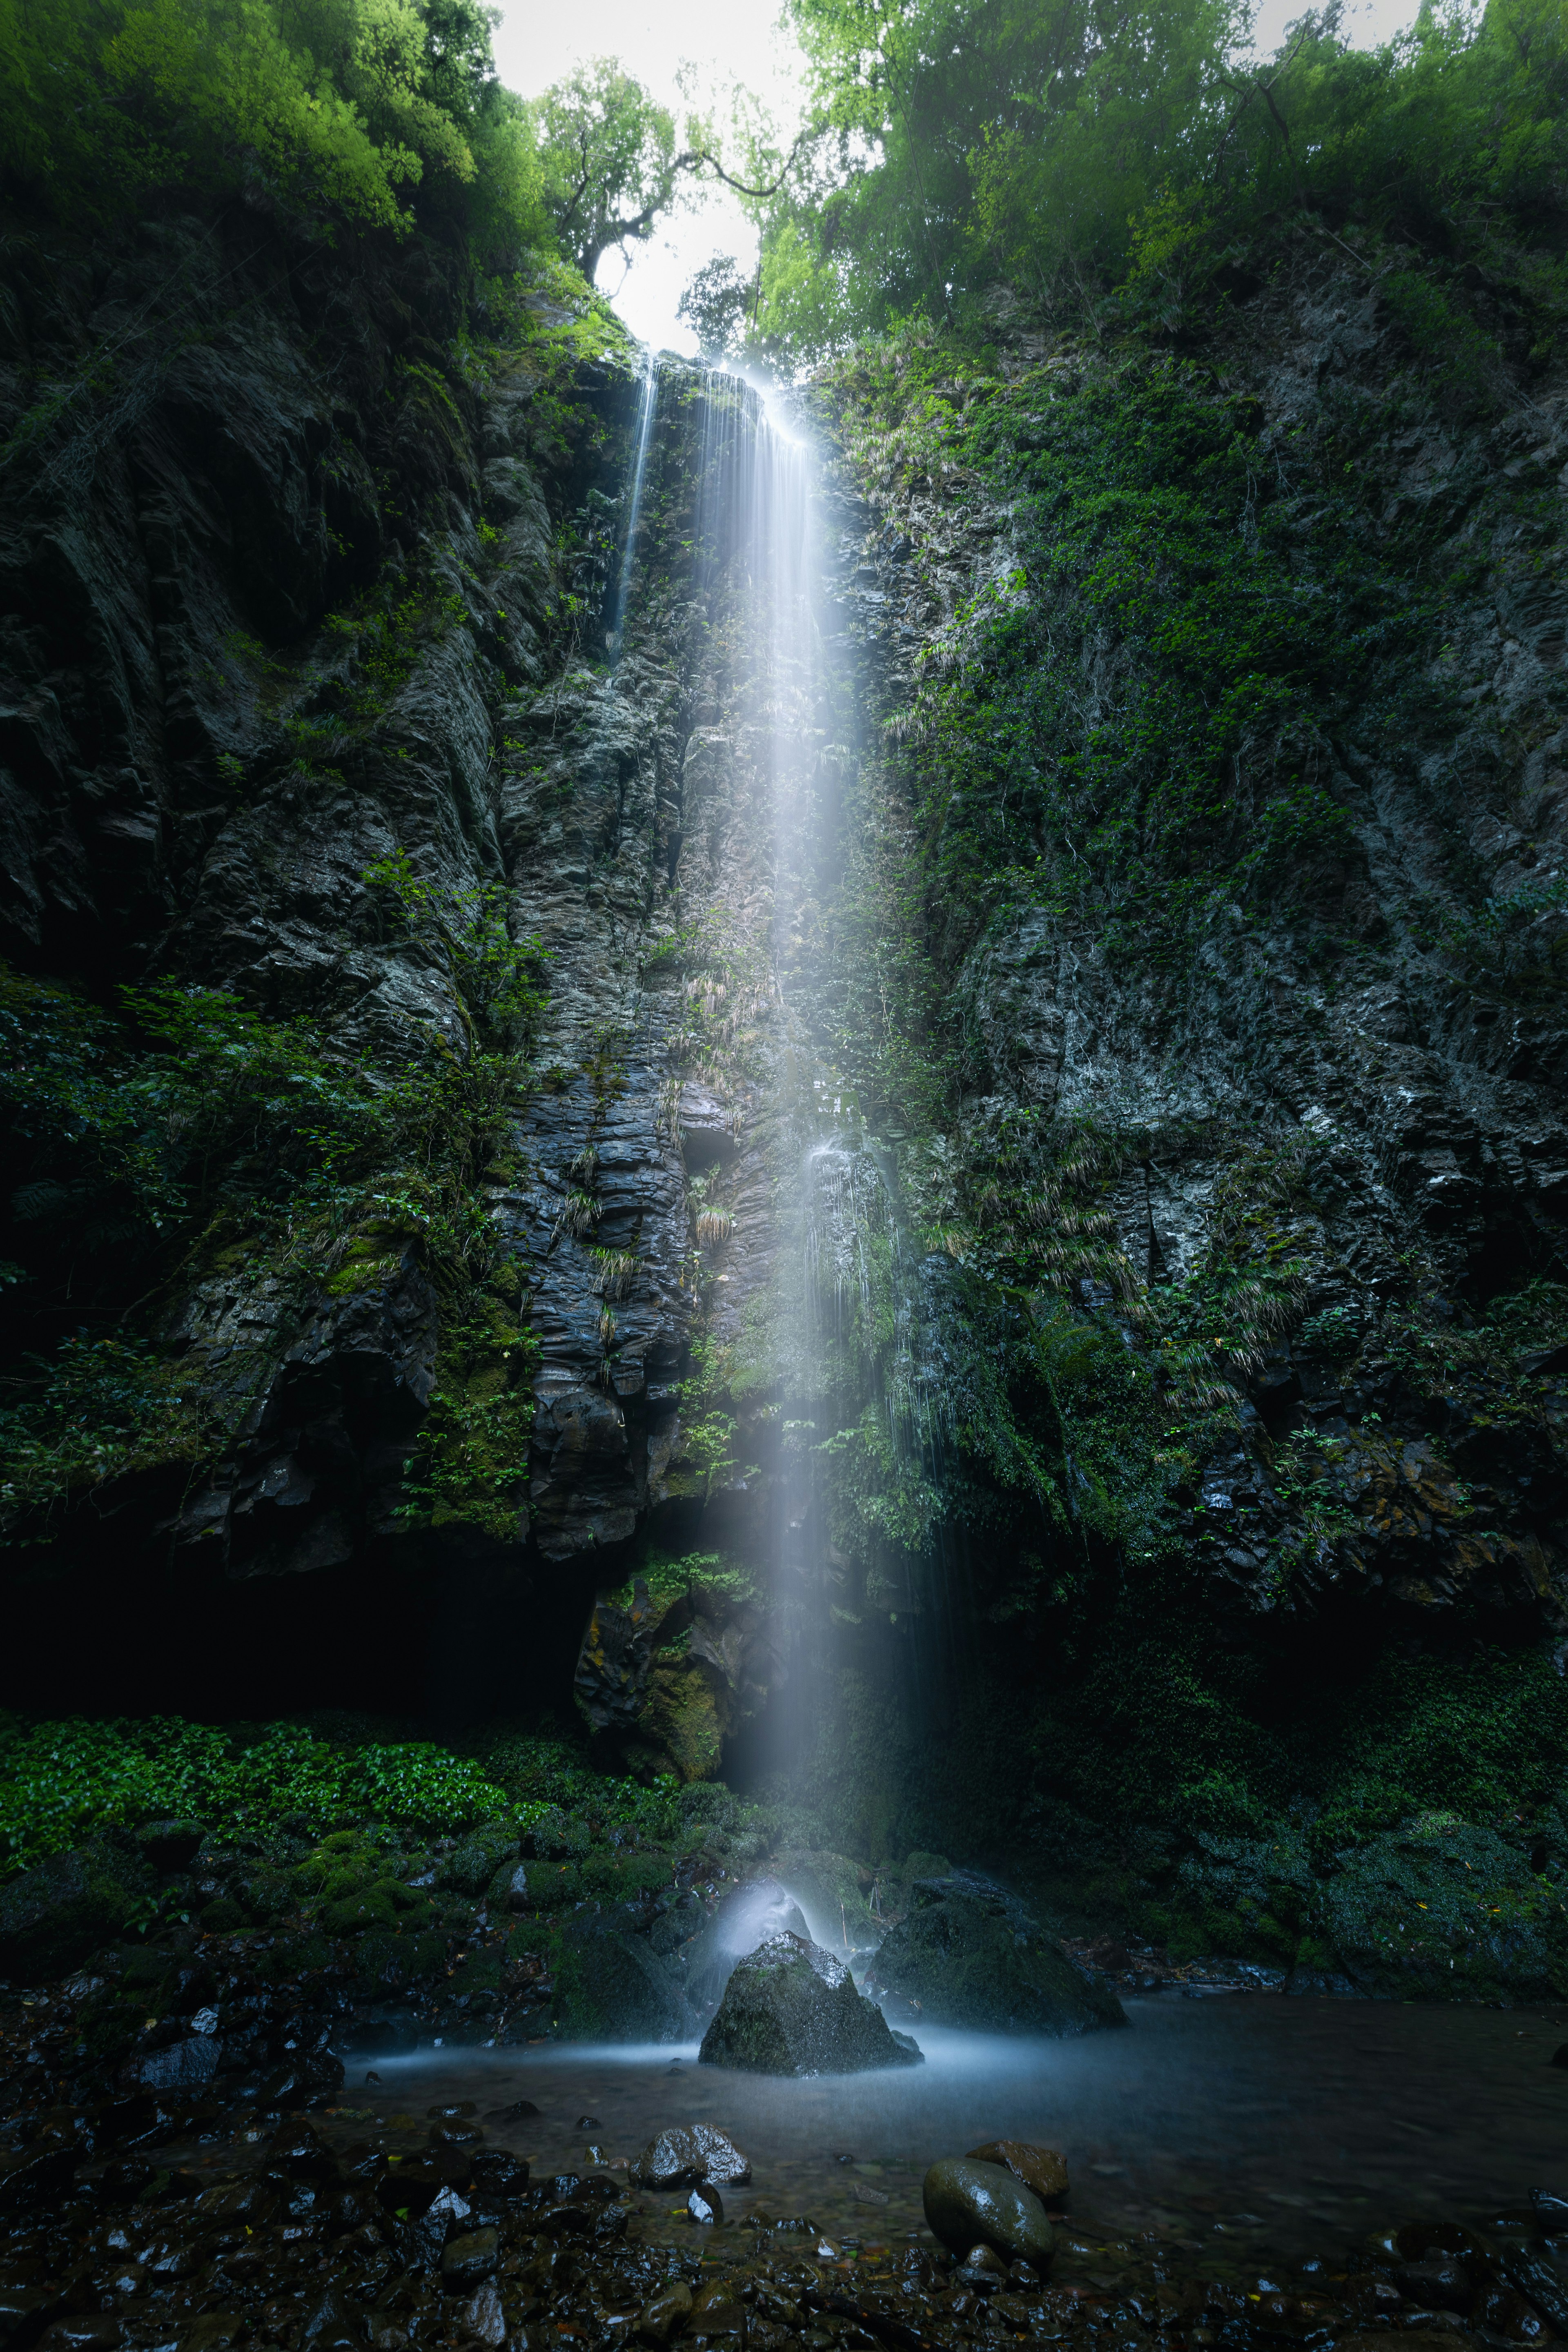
(647, 405)
(854, 1324)
(849, 1323)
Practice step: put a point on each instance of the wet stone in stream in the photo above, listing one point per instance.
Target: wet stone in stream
(134, 2222)
(130, 2227)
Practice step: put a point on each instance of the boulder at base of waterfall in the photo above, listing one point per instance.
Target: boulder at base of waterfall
(754, 1912)
(964, 1954)
(689, 2156)
(971, 2204)
(615, 1988)
(790, 2008)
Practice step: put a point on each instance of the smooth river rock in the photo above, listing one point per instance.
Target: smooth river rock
(968, 2203)
(790, 2008)
(1043, 2170)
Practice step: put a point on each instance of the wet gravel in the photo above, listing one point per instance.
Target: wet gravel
(437, 2206)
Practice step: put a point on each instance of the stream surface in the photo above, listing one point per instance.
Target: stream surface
(1248, 2128)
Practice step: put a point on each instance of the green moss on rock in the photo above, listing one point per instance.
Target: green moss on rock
(473, 1863)
(53, 1918)
(965, 1961)
(683, 1719)
(612, 1987)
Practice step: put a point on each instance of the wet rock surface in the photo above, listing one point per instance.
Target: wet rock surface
(1042, 2170)
(690, 2155)
(971, 2204)
(790, 2008)
(128, 2222)
(967, 1954)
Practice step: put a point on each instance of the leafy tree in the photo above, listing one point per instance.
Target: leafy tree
(611, 165)
(609, 158)
(360, 105)
(1070, 148)
(716, 304)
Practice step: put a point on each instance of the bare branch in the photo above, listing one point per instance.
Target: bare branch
(696, 156)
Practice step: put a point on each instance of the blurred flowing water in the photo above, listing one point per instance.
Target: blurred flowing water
(855, 1356)
(1247, 2130)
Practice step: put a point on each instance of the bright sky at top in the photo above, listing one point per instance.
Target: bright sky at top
(729, 41)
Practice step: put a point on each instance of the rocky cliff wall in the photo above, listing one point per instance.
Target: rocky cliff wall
(1048, 1196)
(305, 568)
(1211, 884)
(309, 581)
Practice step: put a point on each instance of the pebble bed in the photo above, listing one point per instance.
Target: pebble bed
(371, 2216)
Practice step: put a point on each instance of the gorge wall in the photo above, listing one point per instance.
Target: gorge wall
(1014, 1278)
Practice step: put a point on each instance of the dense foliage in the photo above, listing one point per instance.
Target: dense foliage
(379, 112)
(609, 159)
(1068, 150)
(364, 107)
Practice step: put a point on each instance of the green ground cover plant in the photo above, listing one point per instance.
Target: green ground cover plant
(62, 1782)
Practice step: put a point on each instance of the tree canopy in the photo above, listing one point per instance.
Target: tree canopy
(360, 106)
(610, 164)
(1072, 147)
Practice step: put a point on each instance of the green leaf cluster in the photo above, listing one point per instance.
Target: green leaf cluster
(370, 109)
(61, 1780)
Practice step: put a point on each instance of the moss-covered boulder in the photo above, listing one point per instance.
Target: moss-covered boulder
(384, 1903)
(683, 1717)
(611, 1987)
(53, 1918)
(790, 2008)
(1447, 1910)
(555, 1836)
(475, 1860)
(964, 1955)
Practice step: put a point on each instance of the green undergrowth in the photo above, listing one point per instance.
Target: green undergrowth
(174, 1137)
(350, 1831)
(62, 1782)
(1127, 726)
(65, 1779)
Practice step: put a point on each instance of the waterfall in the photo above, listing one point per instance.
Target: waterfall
(647, 404)
(854, 1331)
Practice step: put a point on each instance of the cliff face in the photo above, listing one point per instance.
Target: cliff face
(1216, 860)
(278, 567)
(1053, 1194)
(310, 562)
(1385, 1004)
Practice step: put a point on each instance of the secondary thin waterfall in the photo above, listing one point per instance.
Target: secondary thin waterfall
(647, 405)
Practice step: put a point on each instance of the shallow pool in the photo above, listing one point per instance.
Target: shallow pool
(1250, 2125)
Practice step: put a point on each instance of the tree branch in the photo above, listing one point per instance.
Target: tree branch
(693, 156)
